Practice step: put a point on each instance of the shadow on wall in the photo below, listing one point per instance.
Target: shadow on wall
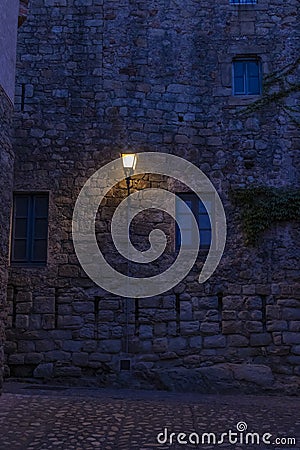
(23, 12)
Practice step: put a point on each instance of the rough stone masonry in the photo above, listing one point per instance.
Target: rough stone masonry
(8, 36)
(96, 77)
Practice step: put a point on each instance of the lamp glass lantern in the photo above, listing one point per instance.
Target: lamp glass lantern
(129, 162)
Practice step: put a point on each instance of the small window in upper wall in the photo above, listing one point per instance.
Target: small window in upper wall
(30, 229)
(202, 218)
(242, 2)
(247, 78)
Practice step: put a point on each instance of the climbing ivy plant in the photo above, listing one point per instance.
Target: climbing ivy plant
(277, 87)
(261, 206)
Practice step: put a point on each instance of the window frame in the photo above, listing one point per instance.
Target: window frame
(31, 235)
(243, 2)
(196, 202)
(246, 59)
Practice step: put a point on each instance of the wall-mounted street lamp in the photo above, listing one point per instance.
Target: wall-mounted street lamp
(129, 163)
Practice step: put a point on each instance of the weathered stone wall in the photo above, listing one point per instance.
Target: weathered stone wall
(96, 77)
(6, 182)
(8, 40)
(8, 36)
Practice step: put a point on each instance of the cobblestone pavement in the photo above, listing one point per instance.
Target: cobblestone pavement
(33, 417)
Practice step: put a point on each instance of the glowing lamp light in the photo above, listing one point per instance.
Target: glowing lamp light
(129, 161)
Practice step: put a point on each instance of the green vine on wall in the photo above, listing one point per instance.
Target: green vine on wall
(262, 206)
(279, 81)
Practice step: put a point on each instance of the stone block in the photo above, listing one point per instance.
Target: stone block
(80, 359)
(106, 315)
(294, 325)
(88, 346)
(233, 327)
(71, 322)
(260, 339)
(23, 308)
(233, 289)
(208, 302)
(229, 315)
(60, 335)
(48, 321)
(44, 305)
(209, 328)
(117, 332)
(33, 358)
(291, 313)
(24, 297)
(106, 304)
(57, 355)
(172, 328)
(296, 349)
(72, 345)
(277, 338)
(146, 331)
(273, 312)
(249, 289)
(22, 321)
(83, 307)
(25, 346)
(67, 371)
(177, 343)
(196, 342)
(186, 312)
(169, 301)
(253, 303)
(294, 360)
(258, 374)
(289, 337)
(256, 315)
(235, 303)
(160, 329)
(214, 341)
(191, 327)
(289, 302)
(160, 345)
(10, 347)
(277, 325)
(110, 346)
(87, 332)
(16, 359)
(43, 370)
(44, 345)
(214, 141)
(263, 289)
(254, 326)
(237, 340)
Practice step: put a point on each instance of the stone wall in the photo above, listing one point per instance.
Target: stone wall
(8, 36)
(95, 78)
(6, 182)
(8, 39)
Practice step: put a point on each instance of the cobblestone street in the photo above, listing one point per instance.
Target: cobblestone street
(36, 418)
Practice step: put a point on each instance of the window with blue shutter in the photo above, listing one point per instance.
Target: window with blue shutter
(242, 2)
(201, 215)
(246, 76)
(30, 229)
